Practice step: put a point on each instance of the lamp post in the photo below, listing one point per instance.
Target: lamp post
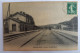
(72, 26)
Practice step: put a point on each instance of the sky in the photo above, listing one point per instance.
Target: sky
(43, 13)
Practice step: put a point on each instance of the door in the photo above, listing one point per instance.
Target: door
(13, 27)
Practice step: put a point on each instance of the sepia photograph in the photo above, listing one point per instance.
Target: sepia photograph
(40, 26)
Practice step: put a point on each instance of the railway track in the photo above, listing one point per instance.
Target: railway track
(31, 39)
(57, 39)
(15, 36)
(41, 38)
(68, 37)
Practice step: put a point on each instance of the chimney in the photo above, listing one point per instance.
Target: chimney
(8, 12)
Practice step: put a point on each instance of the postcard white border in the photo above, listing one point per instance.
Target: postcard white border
(1, 29)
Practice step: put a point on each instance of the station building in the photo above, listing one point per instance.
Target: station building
(17, 22)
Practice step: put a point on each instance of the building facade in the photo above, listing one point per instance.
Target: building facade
(19, 21)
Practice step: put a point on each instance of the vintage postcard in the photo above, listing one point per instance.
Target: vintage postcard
(40, 26)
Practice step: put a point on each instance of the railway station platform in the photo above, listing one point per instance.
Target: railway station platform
(14, 33)
(67, 32)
